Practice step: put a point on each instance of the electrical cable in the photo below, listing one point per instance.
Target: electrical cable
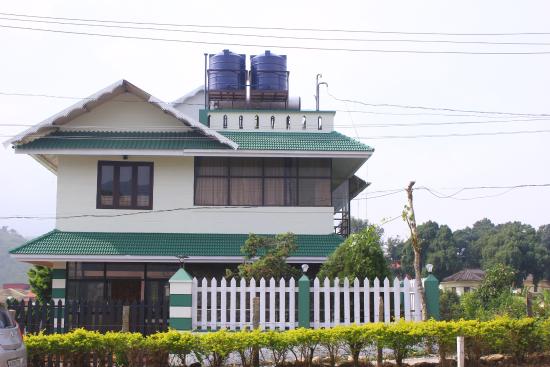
(278, 36)
(279, 28)
(307, 48)
(436, 108)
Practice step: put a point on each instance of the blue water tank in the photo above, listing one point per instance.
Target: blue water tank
(268, 72)
(227, 71)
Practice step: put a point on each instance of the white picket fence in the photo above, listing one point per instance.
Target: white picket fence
(228, 304)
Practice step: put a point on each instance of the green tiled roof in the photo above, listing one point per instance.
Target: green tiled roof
(161, 244)
(247, 140)
(267, 140)
(123, 140)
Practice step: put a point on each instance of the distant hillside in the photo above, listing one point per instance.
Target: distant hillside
(11, 271)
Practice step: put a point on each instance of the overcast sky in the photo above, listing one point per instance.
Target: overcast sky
(37, 62)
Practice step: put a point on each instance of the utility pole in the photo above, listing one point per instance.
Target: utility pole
(408, 216)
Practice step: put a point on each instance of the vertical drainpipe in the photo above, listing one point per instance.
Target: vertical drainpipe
(205, 81)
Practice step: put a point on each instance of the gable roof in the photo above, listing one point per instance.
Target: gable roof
(96, 99)
(466, 275)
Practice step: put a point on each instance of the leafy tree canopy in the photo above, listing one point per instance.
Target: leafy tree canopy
(266, 257)
(438, 248)
(359, 256)
(40, 279)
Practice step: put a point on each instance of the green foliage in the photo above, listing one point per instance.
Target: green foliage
(438, 248)
(268, 257)
(359, 256)
(494, 297)
(449, 305)
(541, 305)
(40, 279)
(498, 279)
(517, 245)
(516, 337)
(401, 337)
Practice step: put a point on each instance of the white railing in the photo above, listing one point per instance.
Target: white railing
(226, 304)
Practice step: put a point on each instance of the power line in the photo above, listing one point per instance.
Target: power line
(389, 192)
(310, 48)
(278, 36)
(483, 114)
(82, 98)
(506, 188)
(412, 124)
(436, 108)
(456, 135)
(281, 28)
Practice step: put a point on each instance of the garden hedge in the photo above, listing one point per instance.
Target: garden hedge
(515, 337)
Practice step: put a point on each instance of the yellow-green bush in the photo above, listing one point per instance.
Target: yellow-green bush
(516, 337)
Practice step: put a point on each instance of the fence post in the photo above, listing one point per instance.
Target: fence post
(59, 293)
(181, 300)
(431, 287)
(460, 351)
(303, 299)
(125, 318)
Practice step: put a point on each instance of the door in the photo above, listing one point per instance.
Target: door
(126, 290)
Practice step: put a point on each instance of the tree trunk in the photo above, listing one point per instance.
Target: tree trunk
(411, 221)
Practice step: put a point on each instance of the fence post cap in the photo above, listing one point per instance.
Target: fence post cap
(180, 276)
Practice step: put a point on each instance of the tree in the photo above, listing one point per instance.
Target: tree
(517, 245)
(494, 296)
(449, 305)
(393, 250)
(359, 256)
(409, 217)
(40, 279)
(438, 248)
(544, 238)
(358, 224)
(266, 257)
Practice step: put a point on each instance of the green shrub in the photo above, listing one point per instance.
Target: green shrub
(401, 337)
(330, 340)
(516, 337)
(442, 333)
(216, 347)
(304, 343)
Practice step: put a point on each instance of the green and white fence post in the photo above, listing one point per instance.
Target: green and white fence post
(431, 287)
(181, 300)
(303, 299)
(59, 292)
(59, 282)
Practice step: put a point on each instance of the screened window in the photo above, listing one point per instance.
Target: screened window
(262, 181)
(125, 185)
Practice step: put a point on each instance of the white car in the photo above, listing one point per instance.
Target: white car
(12, 349)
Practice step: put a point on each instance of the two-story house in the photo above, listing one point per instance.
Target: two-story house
(142, 182)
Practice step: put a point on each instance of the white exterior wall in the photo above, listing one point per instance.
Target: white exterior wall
(192, 105)
(296, 117)
(173, 188)
(126, 112)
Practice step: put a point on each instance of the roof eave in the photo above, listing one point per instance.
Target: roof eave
(157, 259)
(202, 152)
